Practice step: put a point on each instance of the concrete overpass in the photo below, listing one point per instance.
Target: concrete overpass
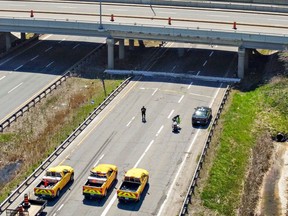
(120, 31)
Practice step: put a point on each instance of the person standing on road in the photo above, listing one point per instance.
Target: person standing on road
(143, 112)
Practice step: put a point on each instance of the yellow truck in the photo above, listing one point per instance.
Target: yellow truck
(55, 179)
(101, 178)
(133, 185)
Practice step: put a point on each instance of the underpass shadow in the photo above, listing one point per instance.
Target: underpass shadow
(52, 202)
(134, 206)
(100, 201)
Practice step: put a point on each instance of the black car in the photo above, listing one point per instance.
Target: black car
(201, 116)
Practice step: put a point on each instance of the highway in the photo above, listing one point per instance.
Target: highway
(23, 75)
(249, 21)
(118, 136)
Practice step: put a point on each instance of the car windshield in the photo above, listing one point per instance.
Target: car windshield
(201, 113)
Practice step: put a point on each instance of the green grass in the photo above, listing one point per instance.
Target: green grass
(266, 105)
(76, 117)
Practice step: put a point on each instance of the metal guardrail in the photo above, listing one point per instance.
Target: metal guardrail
(24, 185)
(193, 184)
(31, 103)
(6, 123)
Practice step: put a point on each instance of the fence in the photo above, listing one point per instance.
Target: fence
(193, 184)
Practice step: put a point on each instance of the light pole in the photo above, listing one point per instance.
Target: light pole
(100, 26)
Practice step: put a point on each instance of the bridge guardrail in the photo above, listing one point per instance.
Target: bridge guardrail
(193, 184)
(25, 184)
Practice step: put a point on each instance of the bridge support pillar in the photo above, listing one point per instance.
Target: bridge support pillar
(131, 44)
(110, 43)
(7, 40)
(241, 62)
(23, 36)
(121, 49)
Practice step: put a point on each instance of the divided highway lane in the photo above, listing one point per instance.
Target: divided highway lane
(24, 75)
(118, 136)
(154, 15)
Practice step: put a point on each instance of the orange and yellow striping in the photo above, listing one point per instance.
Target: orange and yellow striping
(43, 191)
(127, 194)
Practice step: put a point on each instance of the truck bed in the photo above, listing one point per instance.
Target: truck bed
(129, 186)
(49, 185)
(92, 184)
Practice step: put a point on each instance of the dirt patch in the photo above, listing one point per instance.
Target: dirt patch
(259, 165)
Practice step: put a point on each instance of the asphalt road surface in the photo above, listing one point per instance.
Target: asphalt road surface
(26, 73)
(118, 136)
(247, 21)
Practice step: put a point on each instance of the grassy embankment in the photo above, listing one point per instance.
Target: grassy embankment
(250, 113)
(39, 132)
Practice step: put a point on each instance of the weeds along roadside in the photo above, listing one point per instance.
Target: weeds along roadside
(40, 131)
(248, 123)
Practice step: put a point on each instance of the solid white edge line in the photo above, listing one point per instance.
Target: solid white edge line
(215, 95)
(169, 116)
(98, 160)
(159, 131)
(178, 172)
(115, 196)
(15, 87)
(181, 98)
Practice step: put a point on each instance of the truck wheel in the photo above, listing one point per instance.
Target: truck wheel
(58, 193)
(72, 177)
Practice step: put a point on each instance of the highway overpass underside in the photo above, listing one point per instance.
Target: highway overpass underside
(243, 55)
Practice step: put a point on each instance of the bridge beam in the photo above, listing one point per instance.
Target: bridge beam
(7, 40)
(110, 44)
(242, 62)
(121, 49)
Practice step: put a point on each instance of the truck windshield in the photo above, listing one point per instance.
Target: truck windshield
(131, 179)
(53, 174)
